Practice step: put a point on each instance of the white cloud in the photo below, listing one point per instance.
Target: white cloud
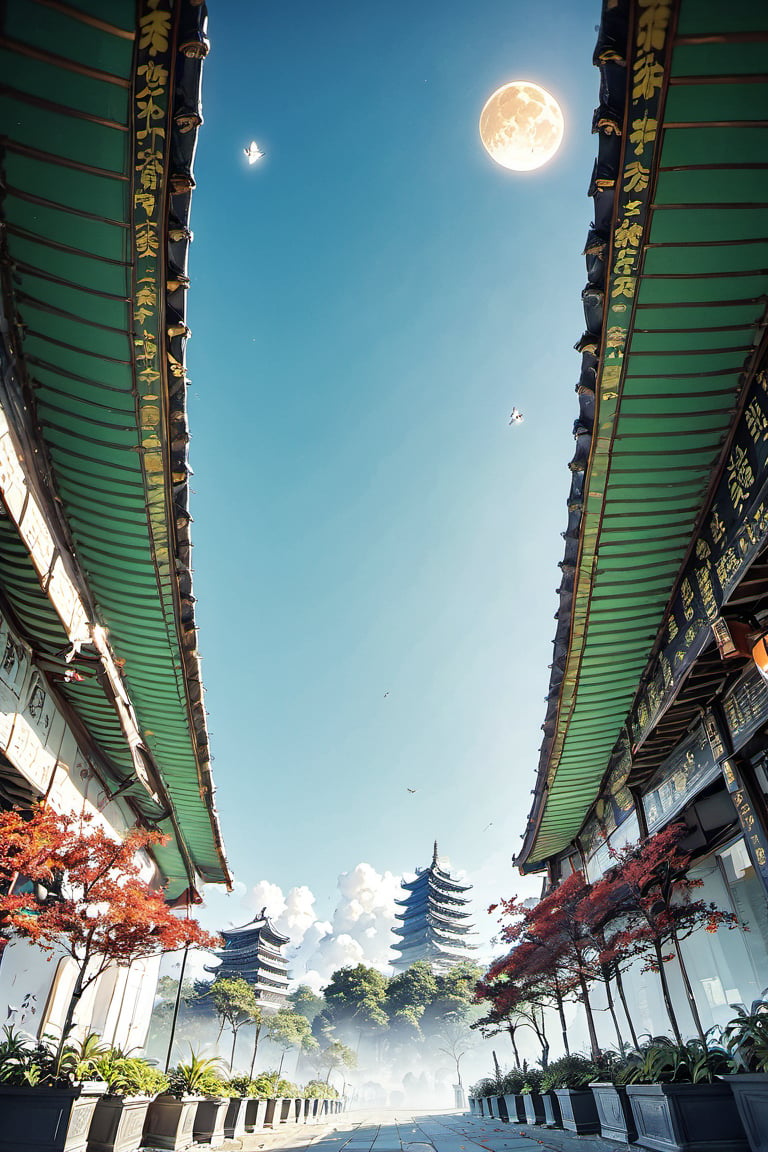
(359, 932)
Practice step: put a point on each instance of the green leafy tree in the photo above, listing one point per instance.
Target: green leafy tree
(356, 997)
(235, 1004)
(335, 1056)
(455, 996)
(306, 1002)
(287, 1029)
(412, 989)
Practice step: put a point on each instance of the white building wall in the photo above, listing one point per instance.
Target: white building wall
(35, 985)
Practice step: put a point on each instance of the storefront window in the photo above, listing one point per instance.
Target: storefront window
(729, 966)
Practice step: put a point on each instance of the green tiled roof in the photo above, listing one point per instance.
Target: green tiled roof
(676, 350)
(102, 359)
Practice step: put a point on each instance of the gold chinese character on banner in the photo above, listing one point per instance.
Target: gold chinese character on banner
(628, 233)
(636, 177)
(740, 476)
(643, 132)
(648, 76)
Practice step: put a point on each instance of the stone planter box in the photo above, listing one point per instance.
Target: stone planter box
(47, 1119)
(515, 1108)
(170, 1122)
(118, 1123)
(285, 1114)
(255, 1111)
(234, 1117)
(209, 1121)
(579, 1111)
(614, 1112)
(750, 1091)
(273, 1114)
(296, 1114)
(501, 1109)
(490, 1102)
(552, 1117)
(534, 1108)
(687, 1117)
(472, 1104)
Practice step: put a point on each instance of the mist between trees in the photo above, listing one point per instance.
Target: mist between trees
(385, 1040)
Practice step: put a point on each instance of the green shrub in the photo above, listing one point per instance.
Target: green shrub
(512, 1082)
(488, 1086)
(532, 1080)
(34, 1064)
(201, 1076)
(662, 1061)
(319, 1090)
(130, 1075)
(573, 1071)
(239, 1086)
(746, 1036)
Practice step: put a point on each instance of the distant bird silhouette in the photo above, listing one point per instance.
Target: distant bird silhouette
(515, 416)
(411, 790)
(253, 152)
(488, 826)
(386, 694)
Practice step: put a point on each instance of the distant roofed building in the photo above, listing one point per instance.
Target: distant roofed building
(435, 925)
(254, 951)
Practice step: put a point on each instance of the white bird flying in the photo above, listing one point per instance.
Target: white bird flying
(515, 416)
(253, 152)
(412, 790)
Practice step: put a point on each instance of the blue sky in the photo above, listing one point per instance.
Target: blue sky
(367, 304)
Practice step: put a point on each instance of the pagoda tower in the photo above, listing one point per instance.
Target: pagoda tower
(254, 952)
(434, 925)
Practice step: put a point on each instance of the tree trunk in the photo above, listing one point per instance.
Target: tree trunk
(665, 992)
(622, 997)
(232, 1057)
(612, 1010)
(541, 1035)
(255, 1047)
(563, 1029)
(511, 1030)
(69, 1019)
(689, 991)
(593, 1044)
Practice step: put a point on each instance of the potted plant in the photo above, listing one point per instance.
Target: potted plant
(172, 1117)
(238, 1089)
(513, 1088)
(550, 1102)
(568, 1081)
(531, 1093)
(47, 1094)
(678, 1100)
(118, 1119)
(610, 1092)
(746, 1039)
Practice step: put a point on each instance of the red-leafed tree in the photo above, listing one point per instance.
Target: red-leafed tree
(557, 947)
(103, 912)
(644, 907)
(515, 1003)
(29, 860)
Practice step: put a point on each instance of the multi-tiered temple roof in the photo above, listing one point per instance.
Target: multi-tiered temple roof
(435, 925)
(254, 952)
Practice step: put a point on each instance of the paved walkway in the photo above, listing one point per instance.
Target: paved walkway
(405, 1130)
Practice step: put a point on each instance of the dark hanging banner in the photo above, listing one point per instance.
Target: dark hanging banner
(755, 835)
(734, 532)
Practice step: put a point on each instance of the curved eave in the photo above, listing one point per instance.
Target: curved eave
(96, 204)
(685, 305)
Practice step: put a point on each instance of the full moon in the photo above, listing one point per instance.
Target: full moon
(521, 126)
